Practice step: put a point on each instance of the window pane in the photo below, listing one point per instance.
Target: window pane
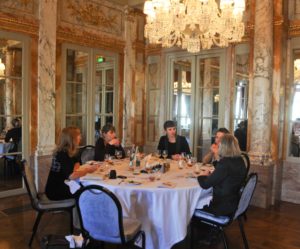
(209, 72)
(11, 99)
(182, 92)
(76, 98)
(77, 64)
(109, 105)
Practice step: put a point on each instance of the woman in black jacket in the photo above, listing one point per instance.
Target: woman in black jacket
(226, 179)
(173, 143)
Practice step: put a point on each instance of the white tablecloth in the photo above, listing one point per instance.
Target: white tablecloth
(164, 212)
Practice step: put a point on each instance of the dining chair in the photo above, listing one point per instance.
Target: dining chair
(220, 222)
(87, 153)
(40, 202)
(247, 162)
(101, 218)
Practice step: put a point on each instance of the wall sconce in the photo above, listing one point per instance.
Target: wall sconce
(2, 68)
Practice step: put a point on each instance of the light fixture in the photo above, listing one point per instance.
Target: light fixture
(194, 24)
(297, 64)
(2, 68)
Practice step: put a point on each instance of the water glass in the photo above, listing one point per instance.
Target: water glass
(118, 154)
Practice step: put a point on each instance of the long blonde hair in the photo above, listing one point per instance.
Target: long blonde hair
(229, 146)
(67, 140)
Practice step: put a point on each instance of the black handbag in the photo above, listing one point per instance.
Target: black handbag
(54, 242)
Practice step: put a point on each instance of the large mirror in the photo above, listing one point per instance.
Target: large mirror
(294, 150)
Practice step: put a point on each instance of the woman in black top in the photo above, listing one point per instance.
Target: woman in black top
(226, 179)
(14, 135)
(65, 165)
(172, 142)
(108, 143)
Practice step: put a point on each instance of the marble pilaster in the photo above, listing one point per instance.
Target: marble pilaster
(46, 77)
(129, 78)
(46, 89)
(262, 82)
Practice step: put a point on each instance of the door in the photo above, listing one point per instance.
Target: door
(195, 100)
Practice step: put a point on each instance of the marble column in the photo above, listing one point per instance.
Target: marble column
(9, 88)
(261, 109)
(46, 89)
(129, 78)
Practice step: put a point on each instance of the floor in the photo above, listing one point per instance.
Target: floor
(276, 228)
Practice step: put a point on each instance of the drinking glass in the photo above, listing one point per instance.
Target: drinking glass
(158, 154)
(164, 154)
(183, 156)
(106, 157)
(118, 154)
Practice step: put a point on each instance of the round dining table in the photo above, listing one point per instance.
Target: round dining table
(163, 202)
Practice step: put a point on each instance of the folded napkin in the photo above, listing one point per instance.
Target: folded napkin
(73, 185)
(75, 241)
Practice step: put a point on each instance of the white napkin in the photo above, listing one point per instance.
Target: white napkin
(75, 241)
(73, 185)
(93, 176)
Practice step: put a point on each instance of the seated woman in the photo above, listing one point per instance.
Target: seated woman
(108, 143)
(65, 165)
(173, 143)
(226, 179)
(14, 135)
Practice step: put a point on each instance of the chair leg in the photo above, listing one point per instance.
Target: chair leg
(243, 233)
(35, 226)
(224, 238)
(192, 235)
(143, 240)
(71, 221)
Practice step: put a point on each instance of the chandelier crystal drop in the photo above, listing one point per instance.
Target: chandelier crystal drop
(194, 24)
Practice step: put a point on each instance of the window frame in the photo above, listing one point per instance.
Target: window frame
(26, 104)
(90, 87)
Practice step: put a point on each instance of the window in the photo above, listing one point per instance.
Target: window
(294, 146)
(90, 90)
(13, 109)
(195, 100)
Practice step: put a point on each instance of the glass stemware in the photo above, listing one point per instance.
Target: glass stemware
(118, 154)
(164, 154)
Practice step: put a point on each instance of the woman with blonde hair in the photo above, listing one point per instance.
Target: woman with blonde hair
(65, 165)
(226, 179)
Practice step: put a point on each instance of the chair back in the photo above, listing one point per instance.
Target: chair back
(247, 162)
(246, 196)
(100, 214)
(29, 183)
(87, 153)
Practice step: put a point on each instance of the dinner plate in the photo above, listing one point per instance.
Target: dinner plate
(131, 182)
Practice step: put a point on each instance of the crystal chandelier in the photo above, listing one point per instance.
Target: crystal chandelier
(194, 24)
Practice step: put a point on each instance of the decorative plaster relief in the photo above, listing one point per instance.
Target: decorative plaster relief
(92, 15)
(24, 6)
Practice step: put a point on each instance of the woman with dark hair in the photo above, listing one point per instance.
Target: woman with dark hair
(65, 165)
(173, 143)
(226, 179)
(108, 143)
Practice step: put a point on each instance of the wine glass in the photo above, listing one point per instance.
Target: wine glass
(158, 153)
(165, 154)
(118, 154)
(183, 156)
(106, 157)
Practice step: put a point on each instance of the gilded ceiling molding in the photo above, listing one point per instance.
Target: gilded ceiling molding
(25, 6)
(294, 28)
(17, 24)
(92, 14)
(90, 40)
